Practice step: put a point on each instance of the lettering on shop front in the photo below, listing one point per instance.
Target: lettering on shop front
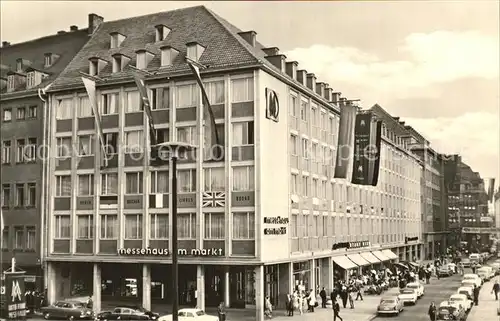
(133, 201)
(166, 252)
(350, 245)
(242, 198)
(411, 239)
(276, 220)
(86, 202)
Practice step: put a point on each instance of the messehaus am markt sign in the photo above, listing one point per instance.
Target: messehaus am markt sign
(275, 225)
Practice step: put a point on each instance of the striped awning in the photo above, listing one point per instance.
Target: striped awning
(358, 259)
(379, 255)
(344, 262)
(370, 257)
(390, 254)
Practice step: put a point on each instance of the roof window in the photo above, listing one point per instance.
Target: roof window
(119, 62)
(116, 39)
(194, 50)
(168, 54)
(162, 32)
(144, 57)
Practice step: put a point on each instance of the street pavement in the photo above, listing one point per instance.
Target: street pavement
(487, 308)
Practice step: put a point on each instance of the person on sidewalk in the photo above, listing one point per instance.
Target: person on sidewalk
(336, 310)
(322, 294)
(432, 311)
(496, 289)
(268, 308)
(359, 288)
(300, 302)
(221, 311)
(349, 295)
(476, 295)
(289, 305)
(311, 301)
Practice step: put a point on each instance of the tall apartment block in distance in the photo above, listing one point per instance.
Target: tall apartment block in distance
(26, 68)
(271, 209)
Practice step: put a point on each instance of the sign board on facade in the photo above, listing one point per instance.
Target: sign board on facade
(350, 245)
(276, 220)
(14, 295)
(480, 230)
(486, 219)
(411, 239)
(272, 105)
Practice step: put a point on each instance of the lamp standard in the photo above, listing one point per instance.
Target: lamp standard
(160, 154)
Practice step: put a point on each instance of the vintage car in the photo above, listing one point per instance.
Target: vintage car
(419, 287)
(473, 278)
(485, 273)
(467, 291)
(444, 271)
(125, 313)
(408, 295)
(190, 315)
(69, 310)
(466, 262)
(450, 312)
(390, 305)
(462, 300)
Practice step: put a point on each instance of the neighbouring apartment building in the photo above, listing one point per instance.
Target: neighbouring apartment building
(434, 197)
(26, 68)
(271, 208)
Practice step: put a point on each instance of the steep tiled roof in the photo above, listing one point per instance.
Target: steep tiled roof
(222, 48)
(65, 45)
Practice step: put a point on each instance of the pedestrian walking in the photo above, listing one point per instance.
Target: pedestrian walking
(221, 311)
(349, 296)
(359, 295)
(322, 294)
(432, 311)
(312, 301)
(496, 289)
(336, 310)
(476, 295)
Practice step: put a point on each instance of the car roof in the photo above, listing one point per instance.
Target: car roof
(465, 288)
(470, 274)
(458, 295)
(392, 297)
(193, 310)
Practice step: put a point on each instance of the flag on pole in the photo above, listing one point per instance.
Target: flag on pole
(213, 138)
(346, 140)
(141, 85)
(91, 91)
(3, 224)
(491, 189)
(378, 146)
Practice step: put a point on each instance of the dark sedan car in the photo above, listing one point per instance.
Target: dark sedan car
(127, 313)
(68, 310)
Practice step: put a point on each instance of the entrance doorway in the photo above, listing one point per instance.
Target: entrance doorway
(214, 285)
(237, 287)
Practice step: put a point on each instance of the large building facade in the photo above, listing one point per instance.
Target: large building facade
(26, 68)
(267, 218)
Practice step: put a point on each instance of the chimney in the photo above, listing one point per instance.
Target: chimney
(302, 76)
(94, 22)
(249, 36)
(73, 28)
(5, 43)
(291, 69)
(320, 89)
(336, 97)
(61, 32)
(311, 81)
(278, 61)
(328, 92)
(271, 51)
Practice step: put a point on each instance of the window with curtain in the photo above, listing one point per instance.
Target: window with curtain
(215, 92)
(86, 185)
(243, 178)
(243, 133)
(63, 185)
(187, 95)
(294, 226)
(31, 239)
(160, 98)
(186, 180)
(242, 89)
(133, 141)
(134, 102)
(63, 145)
(187, 134)
(133, 226)
(133, 183)
(109, 184)
(19, 238)
(159, 182)
(64, 108)
(84, 107)
(159, 226)
(186, 225)
(85, 145)
(215, 179)
(109, 227)
(109, 104)
(111, 143)
(243, 226)
(85, 227)
(210, 148)
(214, 226)
(62, 227)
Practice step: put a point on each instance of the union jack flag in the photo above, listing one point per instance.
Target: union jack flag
(214, 199)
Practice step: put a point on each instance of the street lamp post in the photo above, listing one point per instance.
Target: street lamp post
(161, 153)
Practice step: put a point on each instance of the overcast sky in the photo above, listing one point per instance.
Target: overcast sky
(435, 64)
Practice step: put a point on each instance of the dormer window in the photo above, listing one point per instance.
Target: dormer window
(48, 60)
(119, 62)
(161, 32)
(143, 58)
(116, 39)
(11, 84)
(194, 51)
(96, 65)
(168, 54)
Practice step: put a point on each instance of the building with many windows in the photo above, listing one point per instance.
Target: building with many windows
(26, 68)
(265, 219)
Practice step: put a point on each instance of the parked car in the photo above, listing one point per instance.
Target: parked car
(150, 314)
(496, 267)
(418, 287)
(485, 273)
(388, 305)
(466, 262)
(462, 300)
(473, 277)
(409, 296)
(475, 257)
(190, 315)
(467, 291)
(69, 310)
(450, 312)
(452, 267)
(123, 313)
(444, 271)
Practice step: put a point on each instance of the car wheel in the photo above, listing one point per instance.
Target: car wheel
(46, 316)
(71, 318)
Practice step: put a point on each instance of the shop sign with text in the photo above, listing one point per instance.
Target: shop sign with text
(276, 220)
(351, 245)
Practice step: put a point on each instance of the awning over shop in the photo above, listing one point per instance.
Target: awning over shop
(379, 255)
(370, 257)
(402, 266)
(358, 259)
(390, 254)
(344, 262)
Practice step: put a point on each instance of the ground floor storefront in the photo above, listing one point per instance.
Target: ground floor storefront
(434, 245)
(33, 276)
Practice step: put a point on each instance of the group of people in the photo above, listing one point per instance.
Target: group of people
(35, 300)
(302, 300)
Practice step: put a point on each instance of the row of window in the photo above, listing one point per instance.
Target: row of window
(242, 135)
(242, 90)
(32, 79)
(243, 227)
(23, 238)
(25, 152)
(214, 180)
(19, 195)
(22, 113)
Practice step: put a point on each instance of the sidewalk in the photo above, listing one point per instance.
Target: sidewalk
(487, 308)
